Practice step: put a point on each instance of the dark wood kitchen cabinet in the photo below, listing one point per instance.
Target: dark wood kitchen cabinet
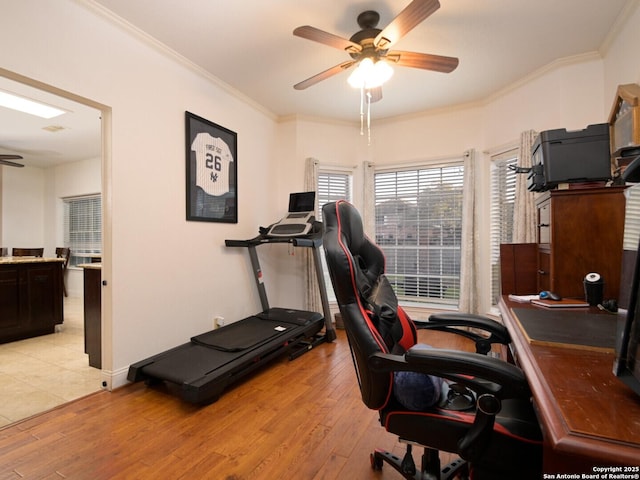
(93, 313)
(31, 302)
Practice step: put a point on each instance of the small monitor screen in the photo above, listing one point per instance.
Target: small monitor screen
(302, 202)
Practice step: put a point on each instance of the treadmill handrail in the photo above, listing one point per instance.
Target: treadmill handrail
(313, 241)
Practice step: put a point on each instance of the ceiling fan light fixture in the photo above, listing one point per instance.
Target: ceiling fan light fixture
(369, 74)
(25, 105)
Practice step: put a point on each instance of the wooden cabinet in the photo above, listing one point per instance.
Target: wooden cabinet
(518, 267)
(30, 298)
(580, 231)
(93, 313)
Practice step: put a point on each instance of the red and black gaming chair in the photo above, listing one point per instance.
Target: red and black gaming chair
(496, 434)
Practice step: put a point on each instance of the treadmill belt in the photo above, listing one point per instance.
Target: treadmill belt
(211, 361)
(188, 363)
(289, 315)
(247, 333)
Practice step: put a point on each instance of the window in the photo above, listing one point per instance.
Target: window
(418, 222)
(83, 228)
(332, 186)
(503, 196)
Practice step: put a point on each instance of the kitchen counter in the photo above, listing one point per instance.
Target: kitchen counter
(31, 297)
(17, 260)
(96, 266)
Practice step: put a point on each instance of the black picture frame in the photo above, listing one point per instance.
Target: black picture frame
(212, 171)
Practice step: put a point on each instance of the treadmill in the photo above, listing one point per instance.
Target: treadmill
(203, 368)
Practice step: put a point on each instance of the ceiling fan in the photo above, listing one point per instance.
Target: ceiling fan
(374, 44)
(6, 160)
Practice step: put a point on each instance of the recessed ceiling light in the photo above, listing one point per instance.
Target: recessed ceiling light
(22, 104)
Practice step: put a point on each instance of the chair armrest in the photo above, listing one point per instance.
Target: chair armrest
(491, 379)
(449, 322)
(480, 373)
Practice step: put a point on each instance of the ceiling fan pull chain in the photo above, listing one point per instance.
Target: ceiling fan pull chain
(361, 110)
(368, 117)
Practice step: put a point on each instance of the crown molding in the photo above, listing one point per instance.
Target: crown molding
(172, 54)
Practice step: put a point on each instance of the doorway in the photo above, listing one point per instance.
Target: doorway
(62, 156)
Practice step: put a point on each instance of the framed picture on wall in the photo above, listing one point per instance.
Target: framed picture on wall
(212, 171)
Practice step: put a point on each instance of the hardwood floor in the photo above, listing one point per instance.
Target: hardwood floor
(292, 420)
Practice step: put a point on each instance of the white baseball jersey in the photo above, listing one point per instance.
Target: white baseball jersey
(212, 164)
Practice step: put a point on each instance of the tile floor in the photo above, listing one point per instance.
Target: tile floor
(40, 373)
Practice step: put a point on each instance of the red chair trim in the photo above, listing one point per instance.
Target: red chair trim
(409, 333)
(363, 311)
(461, 417)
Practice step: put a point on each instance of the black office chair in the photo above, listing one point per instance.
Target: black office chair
(486, 417)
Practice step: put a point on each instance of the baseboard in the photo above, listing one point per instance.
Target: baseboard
(114, 379)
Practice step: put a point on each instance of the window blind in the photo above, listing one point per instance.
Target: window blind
(418, 224)
(503, 195)
(331, 187)
(83, 227)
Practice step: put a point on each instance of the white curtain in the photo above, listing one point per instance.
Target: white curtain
(469, 288)
(524, 212)
(369, 199)
(312, 292)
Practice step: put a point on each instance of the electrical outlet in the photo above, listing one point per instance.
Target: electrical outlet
(218, 321)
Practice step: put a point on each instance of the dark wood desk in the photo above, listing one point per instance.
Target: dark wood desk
(588, 417)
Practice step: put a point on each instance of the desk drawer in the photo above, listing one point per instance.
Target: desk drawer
(544, 270)
(544, 223)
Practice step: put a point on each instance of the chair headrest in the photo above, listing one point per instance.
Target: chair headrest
(350, 250)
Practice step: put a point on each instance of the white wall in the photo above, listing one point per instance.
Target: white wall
(22, 207)
(572, 93)
(331, 143)
(569, 95)
(621, 62)
(167, 277)
(68, 180)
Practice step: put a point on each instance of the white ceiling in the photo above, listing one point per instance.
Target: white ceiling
(32, 137)
(249, 45)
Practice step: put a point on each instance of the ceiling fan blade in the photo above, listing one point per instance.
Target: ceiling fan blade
(376, 94)
(425, 61)
(323, 75)
(10, 163)
(407, 19)
(326, 38)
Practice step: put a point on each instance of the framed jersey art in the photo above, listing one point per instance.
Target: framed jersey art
(212, 171)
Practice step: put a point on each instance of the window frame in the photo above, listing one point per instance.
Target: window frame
(502, 191)
(448, 275)
(85, 241)
(338, 172)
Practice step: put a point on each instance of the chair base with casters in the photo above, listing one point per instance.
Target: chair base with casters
(430, 467)
(488, 421)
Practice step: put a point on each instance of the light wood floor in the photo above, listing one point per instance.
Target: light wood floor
(292, 420)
